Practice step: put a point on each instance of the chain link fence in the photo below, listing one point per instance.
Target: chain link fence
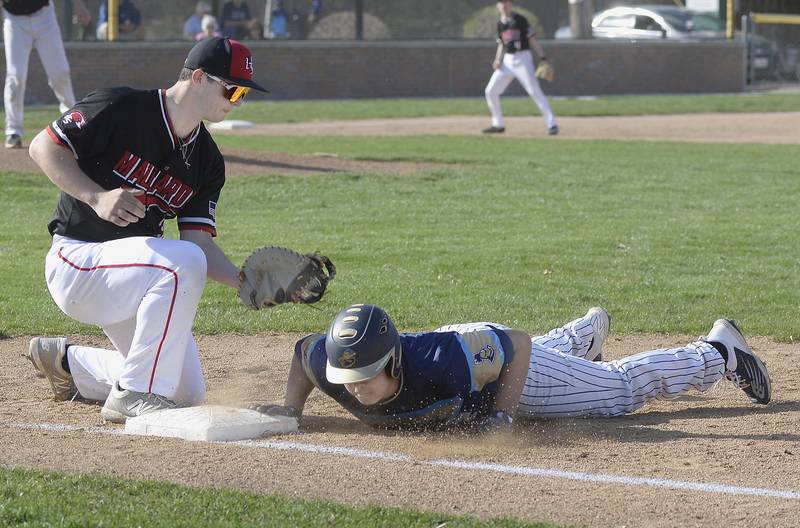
(331, 19)
(772, 39)
(773, 48)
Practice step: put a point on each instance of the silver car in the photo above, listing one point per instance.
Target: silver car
(673, 22)
(651, 22)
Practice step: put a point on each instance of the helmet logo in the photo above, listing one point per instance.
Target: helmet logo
(347, 359)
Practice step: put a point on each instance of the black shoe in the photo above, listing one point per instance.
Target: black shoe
(13, 141)
(494, 130)
(552, 131)
(743, 368)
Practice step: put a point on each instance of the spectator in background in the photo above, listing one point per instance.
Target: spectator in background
(316, 11)
(279, 20)
(82, 18)
(129, 21)
(235, 18)
(210, 28)
(194, 24)
(298, 24)
(255, 30)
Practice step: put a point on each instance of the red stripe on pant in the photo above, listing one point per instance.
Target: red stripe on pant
(171, 306)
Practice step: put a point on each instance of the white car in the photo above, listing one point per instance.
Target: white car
(673, 22)
(651, 22)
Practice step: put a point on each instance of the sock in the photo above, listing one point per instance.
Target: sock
(721, 349)
(65, 361)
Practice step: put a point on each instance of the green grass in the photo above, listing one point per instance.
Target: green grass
(667, 236)
(36, 117)
(48, 499)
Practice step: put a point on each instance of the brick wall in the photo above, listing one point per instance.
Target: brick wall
(321, 70)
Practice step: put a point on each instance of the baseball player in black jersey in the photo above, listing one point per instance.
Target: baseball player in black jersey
(479, 375)
(513, 59)
(126, 161)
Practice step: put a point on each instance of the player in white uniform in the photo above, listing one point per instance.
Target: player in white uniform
(513, 59)
(32, 24)
(453, 376)
(567, 378)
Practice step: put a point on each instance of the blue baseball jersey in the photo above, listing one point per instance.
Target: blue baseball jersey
(447, 378)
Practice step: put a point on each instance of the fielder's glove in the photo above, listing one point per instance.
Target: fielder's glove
(545, 71)
(273, 409)
(274, 275)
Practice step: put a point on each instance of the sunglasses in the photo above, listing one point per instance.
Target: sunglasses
(233, 92)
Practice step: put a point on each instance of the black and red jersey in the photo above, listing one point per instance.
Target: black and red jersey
(123, 137)
(514, 33)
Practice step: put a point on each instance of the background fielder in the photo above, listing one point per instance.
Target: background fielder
(513, 59)
(451, 376)
(32, 24)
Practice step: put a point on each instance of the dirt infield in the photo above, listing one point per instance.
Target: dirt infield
(711, 459)
(716, 438)
(779, 128)
(240, 162)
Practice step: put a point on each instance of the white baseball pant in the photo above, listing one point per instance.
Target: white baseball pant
(21, 34)
(517, 65)
(143, 292)
(562, 383)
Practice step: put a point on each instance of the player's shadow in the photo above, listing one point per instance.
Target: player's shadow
(340, 425)
(641, 427)
(276, 166)
(352, 426)
(635, 428)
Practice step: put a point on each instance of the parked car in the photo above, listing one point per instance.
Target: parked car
(651, 22)
(672, 22)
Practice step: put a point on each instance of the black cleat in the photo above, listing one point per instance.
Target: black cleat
(743, 368)
(494, 130)
(13, 141)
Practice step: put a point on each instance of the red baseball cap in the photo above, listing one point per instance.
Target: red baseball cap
(225, 58)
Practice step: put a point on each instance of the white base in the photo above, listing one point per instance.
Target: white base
(209, 423)
(230, 124)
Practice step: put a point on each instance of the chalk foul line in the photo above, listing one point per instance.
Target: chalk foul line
(461, 464)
